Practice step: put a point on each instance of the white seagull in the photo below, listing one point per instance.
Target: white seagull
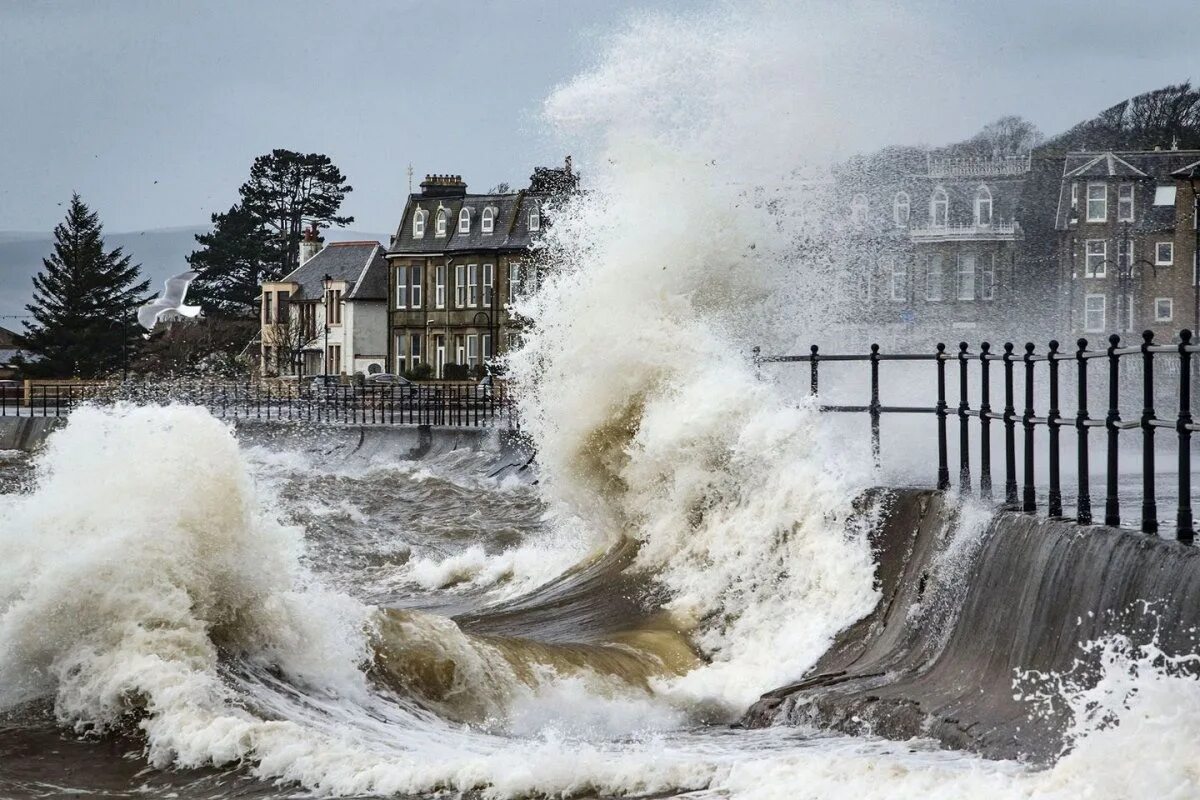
(171, 299)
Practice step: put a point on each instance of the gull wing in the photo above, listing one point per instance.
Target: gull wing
(176, 287)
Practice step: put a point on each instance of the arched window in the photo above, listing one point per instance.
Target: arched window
(939, 208)
(535, 218)
(418, 224)
(464, 221)
(439, 223)
(983, 206)
(900, 209)
(858, 209)
(487, 222)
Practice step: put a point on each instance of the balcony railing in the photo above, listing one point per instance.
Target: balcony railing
(997, 231)
(978, 167)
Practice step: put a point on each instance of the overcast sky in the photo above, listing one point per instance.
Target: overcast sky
(154, 110)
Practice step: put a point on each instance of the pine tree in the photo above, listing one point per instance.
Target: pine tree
(83, 300)
(233, 260)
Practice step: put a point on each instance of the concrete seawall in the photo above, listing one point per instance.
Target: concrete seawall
(939, 654)
(27, 433)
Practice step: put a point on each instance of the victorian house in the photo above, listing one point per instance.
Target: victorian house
(456, 263)
(1127, 241)
(328, 316)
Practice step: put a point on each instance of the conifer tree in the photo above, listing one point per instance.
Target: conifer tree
(83, 304)
(233, 261)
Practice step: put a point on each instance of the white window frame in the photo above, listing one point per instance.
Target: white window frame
(439, 223)
(939, 198)
(460, 285)
(1088, 311)
(1075, 196)
(439, 286)
(416, 274)
(464, 220)
(1102, 270)
(414, 349)
(401, 287)
(487, 222)
(1100, 201)
(983, 200)
(472, 349)
(489, 284)
(898, 277)
(987, 277)
(933, 279)
(859, 209)
(1158, 316)
(901, 209)
(535, 218)
(460, 349)
(514, 279)
(485, 347)
(418, 224)
(965, 283)
(1125, 248)
(1125, 202)
(472, 285)
(1159, 261)
(401, 365)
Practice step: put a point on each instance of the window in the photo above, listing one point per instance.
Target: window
(401, 363)
(1096, 261)
(1074, 196)
(1164, 195)
(487, 346)
(333, 307)
(1164, 254)
(401, 287)
(1164, 309)
(439, 286)
(333, 360)
(1097, 202)
(415, 349)
(268, 308)
(899, 277)
(966, 276)
(983, 206)
(901, 207)
(987, 278)
(283, 310)
(418, 224)
(464, 221)
(1093, 313)
(487, 222)
(858, 209)
(514, 280)
(1125, 202)
(439, 225)
(535, 218)
(472, 285)
(268, 358)
(939, 208)
(933, 278)
(1125, 253)
(460, 349)
(460, 286)
(472, 350)
(415, 300)
(489, 279)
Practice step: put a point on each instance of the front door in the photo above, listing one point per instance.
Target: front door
(439, 355)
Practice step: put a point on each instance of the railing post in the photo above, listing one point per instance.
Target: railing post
(1029, 497)
(1010, 434)
(1083, 503)
(943, 473)
(985, 435)
(1112, 505)
(1149, 506)
(812, 370)
(964, 426)
(875, 403)
(1184, 528)
(1054, 500)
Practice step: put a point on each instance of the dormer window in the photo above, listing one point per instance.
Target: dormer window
(464, 221)
(939, 208)
(983, 206)
(901, 207)
(418, 224)
(535, 218)
(487, 222)
(858, 209)
(439, 223)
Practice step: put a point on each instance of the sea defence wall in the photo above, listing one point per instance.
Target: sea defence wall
(962, 614)
(27, 433)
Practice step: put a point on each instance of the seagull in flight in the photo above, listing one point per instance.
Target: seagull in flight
(171, 299)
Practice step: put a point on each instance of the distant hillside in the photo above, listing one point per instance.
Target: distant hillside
(161, 253)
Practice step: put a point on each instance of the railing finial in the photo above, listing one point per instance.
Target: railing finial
(1147, 336)
(1082, 343)
(1185, 336)
(1114, 340)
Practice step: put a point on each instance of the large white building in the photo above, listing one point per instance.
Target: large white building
(329, 315)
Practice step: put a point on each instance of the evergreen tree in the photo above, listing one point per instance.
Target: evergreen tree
(83, 300)
(289, 191)
(233, 260)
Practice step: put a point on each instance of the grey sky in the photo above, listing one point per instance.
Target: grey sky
(109, 97)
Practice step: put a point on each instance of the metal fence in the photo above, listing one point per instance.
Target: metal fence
(1177, 355)
(458, 405)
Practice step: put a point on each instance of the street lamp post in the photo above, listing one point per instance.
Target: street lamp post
(327, 284)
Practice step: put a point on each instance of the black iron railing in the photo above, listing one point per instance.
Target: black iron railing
(457, 405)
(1148, 421)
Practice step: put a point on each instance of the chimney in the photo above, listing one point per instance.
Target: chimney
(310, 244)
(443, 186)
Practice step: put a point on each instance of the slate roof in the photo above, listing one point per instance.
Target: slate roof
(360, 264)
(7, 338)
(510, 231)
(1144, 168)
